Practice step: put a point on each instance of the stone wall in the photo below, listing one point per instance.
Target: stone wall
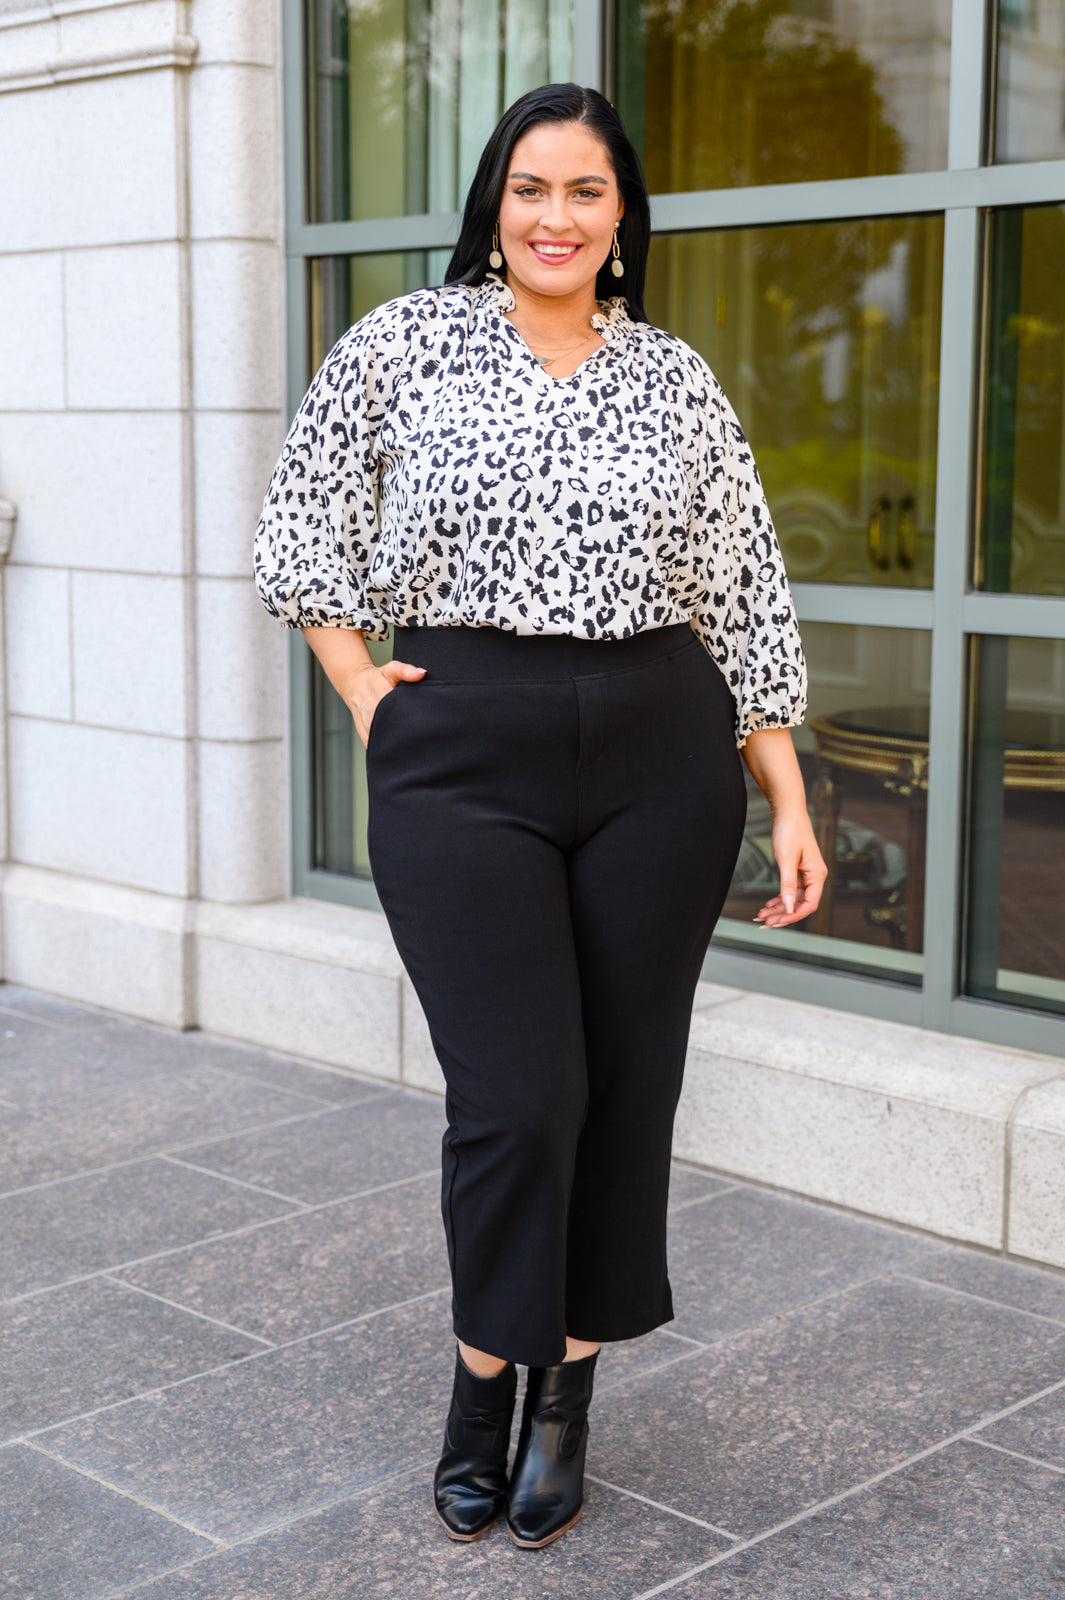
(141, 337)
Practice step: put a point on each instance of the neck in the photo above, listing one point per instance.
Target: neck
(548, 316)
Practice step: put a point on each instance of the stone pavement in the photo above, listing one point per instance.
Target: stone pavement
(226, 1357)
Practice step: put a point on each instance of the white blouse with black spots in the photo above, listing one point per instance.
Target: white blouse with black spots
(436, 473)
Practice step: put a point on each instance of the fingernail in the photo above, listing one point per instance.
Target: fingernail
(789, 903)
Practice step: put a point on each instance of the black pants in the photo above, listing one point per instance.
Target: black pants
(553, 827)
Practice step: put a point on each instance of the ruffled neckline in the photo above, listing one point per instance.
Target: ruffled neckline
(612, 321)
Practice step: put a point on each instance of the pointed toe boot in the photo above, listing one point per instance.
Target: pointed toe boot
(470, 1485)
(546, 1490)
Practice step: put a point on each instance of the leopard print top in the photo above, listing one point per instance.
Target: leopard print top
(436, 473)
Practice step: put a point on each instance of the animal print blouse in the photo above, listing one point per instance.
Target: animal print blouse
(436, 473)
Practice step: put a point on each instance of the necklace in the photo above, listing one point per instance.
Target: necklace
(546, 358)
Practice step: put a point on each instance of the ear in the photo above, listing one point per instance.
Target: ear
(621, 211)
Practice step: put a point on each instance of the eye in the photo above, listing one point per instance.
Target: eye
(526, 189)
(590, 194)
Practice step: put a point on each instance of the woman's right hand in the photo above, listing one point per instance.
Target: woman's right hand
(368, 686)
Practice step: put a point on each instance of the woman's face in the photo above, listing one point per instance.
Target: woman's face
(560, 203)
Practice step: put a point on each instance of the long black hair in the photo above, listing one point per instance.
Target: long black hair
(559, 102)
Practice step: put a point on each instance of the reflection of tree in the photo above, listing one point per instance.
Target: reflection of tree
(826, 339)
(825, 336)
(1024, 458)
(749, 92)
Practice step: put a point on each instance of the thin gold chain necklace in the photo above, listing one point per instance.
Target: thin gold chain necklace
(547, 359)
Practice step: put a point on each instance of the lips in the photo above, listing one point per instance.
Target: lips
(552, 254)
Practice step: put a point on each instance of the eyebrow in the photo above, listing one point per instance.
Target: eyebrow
(574, 183)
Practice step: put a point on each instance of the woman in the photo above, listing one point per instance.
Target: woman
(552, 504)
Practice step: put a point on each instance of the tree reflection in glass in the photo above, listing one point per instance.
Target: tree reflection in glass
(725, 93)
(825, 338)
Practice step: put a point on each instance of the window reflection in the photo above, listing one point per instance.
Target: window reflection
(826, 340)
(1022, 547)
(342, 289)
(864, 755)
(1030, 89)
(723, 93)
(1016, 914)
(402, 95)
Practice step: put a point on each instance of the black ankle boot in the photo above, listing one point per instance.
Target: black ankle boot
(547, 1483)
(470, 1485)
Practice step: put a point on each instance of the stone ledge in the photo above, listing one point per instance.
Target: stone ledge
(313, 930)
(883, 1118)
(123, 949)
(178, 51)
(960, 1138)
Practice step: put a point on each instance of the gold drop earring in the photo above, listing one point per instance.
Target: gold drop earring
(495, 259)
(617, 266)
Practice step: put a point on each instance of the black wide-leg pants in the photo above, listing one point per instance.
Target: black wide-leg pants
(553, 827)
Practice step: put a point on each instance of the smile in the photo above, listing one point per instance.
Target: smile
(553, 252)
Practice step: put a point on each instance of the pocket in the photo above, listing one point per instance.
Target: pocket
(376, 719)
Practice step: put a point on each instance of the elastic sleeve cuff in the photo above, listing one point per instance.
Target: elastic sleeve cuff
(755, 718)
(369, 627)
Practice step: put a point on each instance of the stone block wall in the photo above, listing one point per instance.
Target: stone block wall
(141, 340)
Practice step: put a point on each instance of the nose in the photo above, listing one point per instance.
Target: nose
(556, 213)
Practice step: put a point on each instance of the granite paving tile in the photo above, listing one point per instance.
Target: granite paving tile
(353, 1148)
(768, 1423)
(623, 1360)
(314, 1269)
(127, 1121)
(686, 1185)
(81, 1225)
(742, 1256)
(1027, 1288)
(964, 1524)
(96, 1342)
(17, 1031)
(49, 1008)
(64, 1537)
(234, 1451)
(388, 1544)
(301, 1077)
(57, 1066)
(1036, 1430)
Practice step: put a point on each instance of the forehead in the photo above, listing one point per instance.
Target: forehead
(561, 150)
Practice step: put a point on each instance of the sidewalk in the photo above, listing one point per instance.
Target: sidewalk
(226, 1356)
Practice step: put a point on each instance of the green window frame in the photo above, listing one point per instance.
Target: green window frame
(966, 192)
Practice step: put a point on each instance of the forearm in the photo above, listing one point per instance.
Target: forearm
(347, 663)
(343, 654)
(774, 766)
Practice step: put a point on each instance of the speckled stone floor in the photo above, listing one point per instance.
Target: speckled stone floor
(226, 1355)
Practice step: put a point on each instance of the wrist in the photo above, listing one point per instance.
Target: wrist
(351, 691)
(791, 812)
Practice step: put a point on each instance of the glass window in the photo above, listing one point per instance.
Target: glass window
(826, 340)
(402, 95)
(1022, 545)
(1030, 86)
(864, 755)
(718, 94)
(1016, 913)
(343, 289)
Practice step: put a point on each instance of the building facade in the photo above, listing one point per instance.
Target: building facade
(859, 219)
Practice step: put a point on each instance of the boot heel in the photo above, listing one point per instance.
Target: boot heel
(470, 1482)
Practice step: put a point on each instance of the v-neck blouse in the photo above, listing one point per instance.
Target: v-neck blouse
(437, 474)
